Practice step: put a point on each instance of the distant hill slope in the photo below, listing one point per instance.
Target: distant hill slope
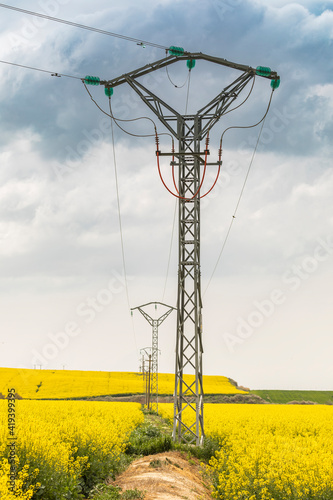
(283, 397)
(63, 384)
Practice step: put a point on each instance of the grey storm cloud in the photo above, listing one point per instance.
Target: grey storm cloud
(59, 225)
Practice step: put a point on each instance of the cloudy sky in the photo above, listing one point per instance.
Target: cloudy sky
(267, 307)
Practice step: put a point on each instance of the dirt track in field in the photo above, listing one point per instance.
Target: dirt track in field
(166, 476)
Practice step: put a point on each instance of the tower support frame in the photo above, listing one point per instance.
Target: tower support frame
(189, 131)
(154, 323)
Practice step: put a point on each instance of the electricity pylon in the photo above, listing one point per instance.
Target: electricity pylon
(154, 323)
(189, 131)
(146, 375)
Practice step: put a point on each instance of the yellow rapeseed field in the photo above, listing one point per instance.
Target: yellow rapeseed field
(270, 452)
(60, 443)
(61, 384)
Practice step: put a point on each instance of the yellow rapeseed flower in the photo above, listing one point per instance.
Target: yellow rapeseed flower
(61, 384)
(63, 437)
(269, 452)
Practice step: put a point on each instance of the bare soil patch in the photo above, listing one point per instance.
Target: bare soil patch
(166, 476)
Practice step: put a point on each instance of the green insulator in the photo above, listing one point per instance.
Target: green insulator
(263, 71)
(108, 91)
(92, 80)
(176, 51)
(190, 63)
(275, 83)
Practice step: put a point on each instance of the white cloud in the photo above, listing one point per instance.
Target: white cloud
(59, 226)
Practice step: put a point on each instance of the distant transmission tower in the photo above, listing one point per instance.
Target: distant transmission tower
(146, 374)
(189, 130)
(154, 323)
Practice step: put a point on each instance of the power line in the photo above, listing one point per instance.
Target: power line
(170, 248)
(116, 120)
(188, 91)
(176, 86)
(239, 198)
(83, 26)
(52, 73)
(246, 98)
(120, 226)
(248, 126)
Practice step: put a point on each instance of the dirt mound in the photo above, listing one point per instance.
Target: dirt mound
(166, 476)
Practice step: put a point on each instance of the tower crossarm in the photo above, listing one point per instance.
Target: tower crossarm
(146, 316)
(161, 109)
(171, 59)
(151, 320)
(212, 112)
(164, 316)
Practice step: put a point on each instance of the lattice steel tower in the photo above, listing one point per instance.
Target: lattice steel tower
(154, 323)
(189, 131)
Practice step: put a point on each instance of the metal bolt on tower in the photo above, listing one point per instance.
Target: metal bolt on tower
(154, 323)
(189, 131)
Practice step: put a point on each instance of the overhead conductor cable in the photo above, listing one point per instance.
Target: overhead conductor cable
(244, 183)
(143, 43)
